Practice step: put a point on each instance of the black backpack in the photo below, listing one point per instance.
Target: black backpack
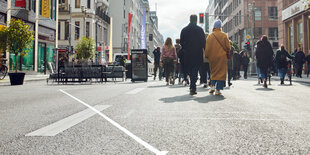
(281, 57)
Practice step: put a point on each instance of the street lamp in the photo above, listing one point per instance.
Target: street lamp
(84, 10)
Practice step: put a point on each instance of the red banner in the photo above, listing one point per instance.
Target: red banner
(20, 3)
(129, 25)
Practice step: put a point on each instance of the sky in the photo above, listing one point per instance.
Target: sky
(173, 15)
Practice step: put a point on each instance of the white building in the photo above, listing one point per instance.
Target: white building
(89, 19)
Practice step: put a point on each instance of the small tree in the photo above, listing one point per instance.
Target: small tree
(19, 38)
(85, 49)
(3, 38)
(236, 47)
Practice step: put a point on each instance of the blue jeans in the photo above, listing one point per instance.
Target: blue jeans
(219, 84)
(282, 72)
(193, 75)
(263, 73)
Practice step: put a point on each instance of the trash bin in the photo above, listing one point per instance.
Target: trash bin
(128, 69)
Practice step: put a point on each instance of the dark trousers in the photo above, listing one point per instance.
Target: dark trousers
(245, 69)
(168, 67)
(157, 67)
(230, 75)
(204, 72)
(299, 69)
(193, 75)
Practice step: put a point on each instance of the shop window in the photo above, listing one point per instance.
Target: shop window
(273, 13)
(299, 33)
(66, 30)
(290, 38)
(87, 29)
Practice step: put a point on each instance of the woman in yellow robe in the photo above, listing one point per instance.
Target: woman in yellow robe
(216, 46)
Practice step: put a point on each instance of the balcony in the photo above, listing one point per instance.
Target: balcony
(103, 15)
(103, 3)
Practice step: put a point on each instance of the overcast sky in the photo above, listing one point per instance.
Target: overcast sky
(173, 15)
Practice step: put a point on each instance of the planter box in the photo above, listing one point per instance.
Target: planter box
(17, 78)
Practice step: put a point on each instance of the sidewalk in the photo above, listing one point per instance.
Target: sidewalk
(30, 76)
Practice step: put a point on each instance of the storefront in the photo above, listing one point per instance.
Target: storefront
(296, 25)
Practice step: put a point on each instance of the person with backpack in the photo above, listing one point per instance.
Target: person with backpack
(282, 63)
(245, 63)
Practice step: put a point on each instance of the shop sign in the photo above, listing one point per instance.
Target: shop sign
(20, 3)
(46, 8)
(293, 10)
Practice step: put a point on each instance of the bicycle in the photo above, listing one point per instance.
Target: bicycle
(3, 69)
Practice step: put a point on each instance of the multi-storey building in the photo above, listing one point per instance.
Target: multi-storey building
(88, 19)
(294, 24)
(46, 37)
(243, 17)
(143, 30)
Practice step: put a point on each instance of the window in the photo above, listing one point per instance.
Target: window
(300, 33)
(88, 4)
(258, 13)
(258, 32)
(77, 3)
(77, 30)
(273, 13)
(87, 29)
(59, 31)
(290, 38)
(66, 30)
(273, 33)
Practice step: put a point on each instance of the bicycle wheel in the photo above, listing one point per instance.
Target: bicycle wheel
(3, 72)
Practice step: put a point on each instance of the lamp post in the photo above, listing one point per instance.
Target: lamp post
(84, 10)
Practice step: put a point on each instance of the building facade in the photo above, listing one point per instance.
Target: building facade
(46, 37)
(246, 20)
(143, 29)
(294, 19)
(88, 19)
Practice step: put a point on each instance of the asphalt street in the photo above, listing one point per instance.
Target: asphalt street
(149, 118)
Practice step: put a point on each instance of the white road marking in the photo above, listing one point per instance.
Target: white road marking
(66, 123)
(139, 140)
(135, 91)
(129, 113)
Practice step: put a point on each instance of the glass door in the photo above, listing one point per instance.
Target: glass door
(42, 58)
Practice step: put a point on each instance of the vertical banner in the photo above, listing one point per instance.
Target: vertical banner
(20, 3)
(46, 8)
(143, 37)
(129, 25)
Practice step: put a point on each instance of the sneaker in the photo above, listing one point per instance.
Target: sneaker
(212, 90)
(217, 92)
(205, 85)
(229, 84)
(192, 92)
(167, 84)
(265, 84)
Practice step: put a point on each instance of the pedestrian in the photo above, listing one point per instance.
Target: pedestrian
(230, 64)
(281, 61)
(245, 63)
(308, 61)
(217, 51)
(157, 66)
(204, 70)
(236, 65)
(264, 56)
(169, 58)
(178, 65)
(193, 42)
(300, 59)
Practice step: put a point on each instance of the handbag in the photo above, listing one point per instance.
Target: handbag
(227, 51)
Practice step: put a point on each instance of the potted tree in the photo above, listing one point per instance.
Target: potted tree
(85, 49)
(19, 41)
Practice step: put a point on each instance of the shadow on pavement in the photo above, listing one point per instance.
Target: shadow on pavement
(265, 89)
(210, 98)
(174, 99)
(187, 97)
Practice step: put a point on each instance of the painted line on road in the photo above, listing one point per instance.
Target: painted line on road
(135, 91)
(66, 123)
(139, 140)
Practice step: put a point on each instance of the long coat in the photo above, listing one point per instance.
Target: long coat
(193, 41)
(217, 55)
(264, 55)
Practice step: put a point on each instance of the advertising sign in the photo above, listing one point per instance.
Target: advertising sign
(46, 8)
(20, 3)
(139, 65)
(143, 39)
(129, 24)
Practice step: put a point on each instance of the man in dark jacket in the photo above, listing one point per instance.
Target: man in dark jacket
(300, 60)
(230, 65)
(281, 61)
(236, 65)
(245, 63)
(193, 42)
(157, 66)
(264, 56)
